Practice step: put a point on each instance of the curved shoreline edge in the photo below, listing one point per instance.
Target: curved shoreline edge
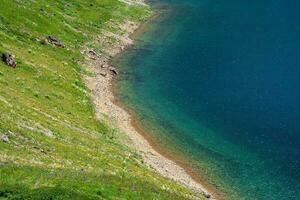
(106, 105)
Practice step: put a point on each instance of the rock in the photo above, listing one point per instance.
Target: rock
(103, 74)
(44, 42)
(92, 53)
(206, 195)
(9, 60)
(104, 66)
(5, 138)
(48, 133)
(43, 151)
(114, 71)
(55, 41)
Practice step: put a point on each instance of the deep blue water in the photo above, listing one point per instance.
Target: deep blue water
(219, 81)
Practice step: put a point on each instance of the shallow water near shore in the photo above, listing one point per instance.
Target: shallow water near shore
(218, 83)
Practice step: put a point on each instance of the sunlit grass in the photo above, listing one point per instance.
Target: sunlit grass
(57, 149)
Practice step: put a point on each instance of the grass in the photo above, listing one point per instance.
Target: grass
(57, 149)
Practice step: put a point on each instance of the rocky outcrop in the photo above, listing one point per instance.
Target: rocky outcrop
(9, 60)
(55, 41)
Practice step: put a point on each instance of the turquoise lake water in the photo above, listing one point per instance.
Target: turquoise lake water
(218, 82)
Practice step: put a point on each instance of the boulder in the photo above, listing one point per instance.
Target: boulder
(104, 66)
(9, 60)
(206, 195)
(5, 138)
(55, 41)
(92, 53)
(113, 70)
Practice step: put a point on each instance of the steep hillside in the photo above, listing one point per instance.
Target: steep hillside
(51, 145)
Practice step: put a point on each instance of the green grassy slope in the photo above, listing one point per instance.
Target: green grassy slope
(56, 148)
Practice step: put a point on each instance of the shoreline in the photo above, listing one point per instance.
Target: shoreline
(168, 154)
(102, 86)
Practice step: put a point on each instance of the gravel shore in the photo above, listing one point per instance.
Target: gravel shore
(103, 98)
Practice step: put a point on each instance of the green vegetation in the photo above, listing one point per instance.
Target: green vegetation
(56, 147)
